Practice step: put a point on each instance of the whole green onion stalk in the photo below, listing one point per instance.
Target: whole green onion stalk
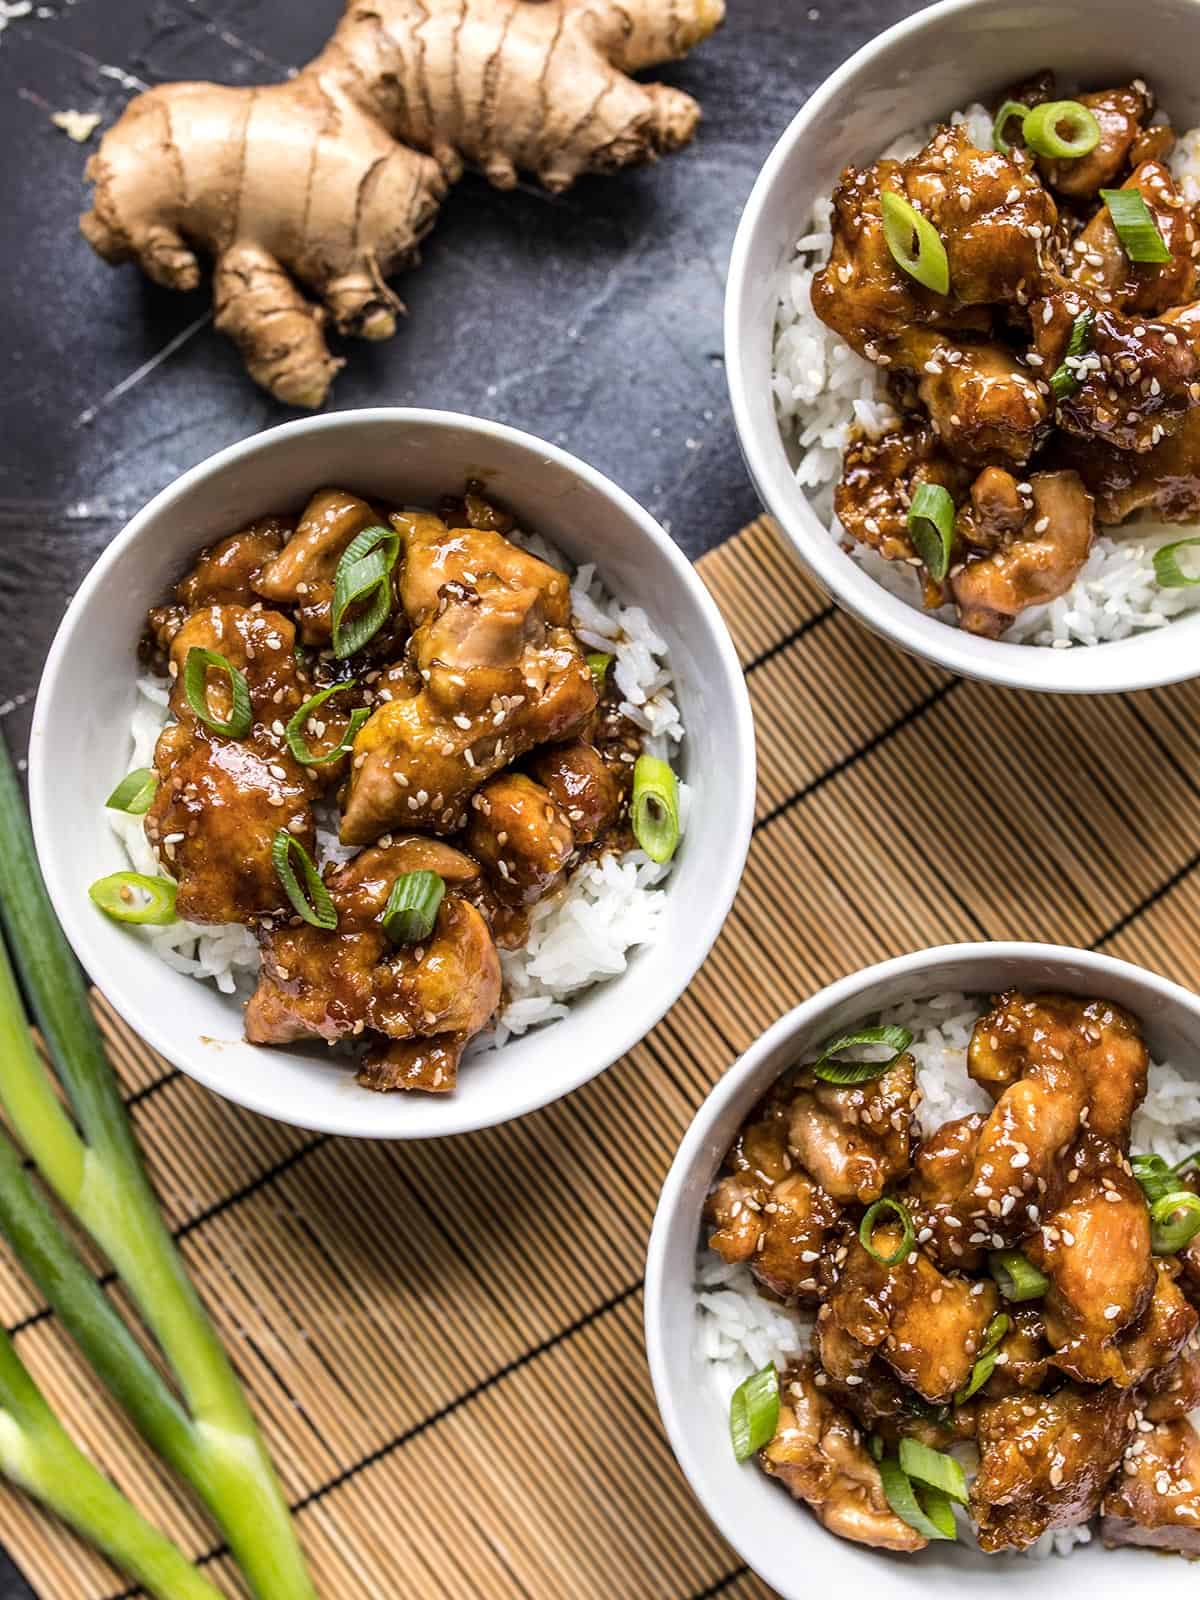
(211, 1440)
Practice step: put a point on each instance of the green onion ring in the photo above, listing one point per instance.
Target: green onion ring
(915, 243)
(135, 793)
(1135, 227)
(831, 1071)
(934, 1469)
(363, 577)
(931, 528)
(412, 907)
(1066, 380)
(118, 897)
(866, 1229)
(1167, 571)
(320, 913)
(933, 1519)
(654, 808)
(598, 664)
(195, 687)
(754, 1413)
(294, 732)
(1010, 109)
(1154, 1175)
(1043, 130)
(1174, 1221)
(1016, 1276)
(985, 1360)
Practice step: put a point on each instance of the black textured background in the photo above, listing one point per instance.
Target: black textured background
(593, 319)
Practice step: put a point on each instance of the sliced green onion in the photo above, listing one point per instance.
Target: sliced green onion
(985, 1361)
(134, 794)
(1188, 1161)
(933, 1468)
(195, 687)
(1016, 1276)
(654, 808)
(1010, 109)
(1044, 135)
(754, 1413)
(915, 243)
(1174, 1220)
(412, 907)
(294, 732)
(599, 662)
(1167, 571)
(1066, 380)
(866, 1229)
(933, 1520)
(1138, 232)
(1154, 1175)
(134, 897)
(931, 528)
(363, 578)
(320, 911)
(831, 1071)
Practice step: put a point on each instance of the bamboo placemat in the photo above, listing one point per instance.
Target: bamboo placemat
(444, 1341)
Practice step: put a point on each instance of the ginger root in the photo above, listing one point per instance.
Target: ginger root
(331, 180)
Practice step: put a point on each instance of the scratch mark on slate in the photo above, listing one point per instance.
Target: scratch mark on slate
(144, 371)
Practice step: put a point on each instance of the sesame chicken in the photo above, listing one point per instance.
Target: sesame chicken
(302, 574)
(855, 1140)
(1122, 115)
(1154, 1501)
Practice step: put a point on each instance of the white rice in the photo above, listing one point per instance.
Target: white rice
(578, 936)
(822, 389)
(738, 1330)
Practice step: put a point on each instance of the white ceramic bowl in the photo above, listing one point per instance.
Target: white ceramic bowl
(79, 747)
(777, 1537)
(939, 59)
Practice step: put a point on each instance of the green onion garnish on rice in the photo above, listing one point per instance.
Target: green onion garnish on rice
(363, 580)
(1009, 110)
(1135, 227)
(870, 1221)
(1174, 1221)
(830, 1070)
(136, 898)
(654, 808)
(319, 910)
(930, 1514)
(915, 243)
(412, 907)
(934, 1469)
(931, 528)
(985, 1361)
(294, 732)
(1065, 380)
(1167, 569)
(599, 662)
(1063, 130)
(754, 1413)
(134, 794)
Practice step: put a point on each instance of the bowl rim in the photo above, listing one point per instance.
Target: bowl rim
(530, 1093)
(668, 1390)
(1018, 666)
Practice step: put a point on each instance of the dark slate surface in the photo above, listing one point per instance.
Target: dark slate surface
(593, 319)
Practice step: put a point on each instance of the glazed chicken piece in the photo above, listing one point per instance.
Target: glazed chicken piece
(214, 817)
(1023, 1355)
(302, 574)
(1095, 1249)
(926, 1325)
(1164, 481)
(1134, 378)
(936, 1193)
(819, 1456)
(261, 646)
(223, 574)
(766, 1212)
(500, 674)
(995, 512)
(338, 984)
(1103, 1038)
(521, 836)
(1122, 115)
(1032, 567)
(867, 1387)
(583, 785)
(1155, 1344)
(1173, 1390)
(983, 405)
(855, 1140)
(1154, 1500)
(782, 1230)
(1019, 1159)
(1044, 1461)
(1100, 266)
(880, 477)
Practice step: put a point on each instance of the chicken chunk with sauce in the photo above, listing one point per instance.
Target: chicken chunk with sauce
(855, 1140)
(302, 574)
(1154, 1500)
